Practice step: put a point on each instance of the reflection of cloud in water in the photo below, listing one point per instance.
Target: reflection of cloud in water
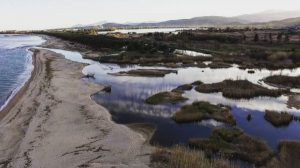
(259, 103)
(139, 88)
(139, 107)
(130, 89)
(128, 94)
(211, 123)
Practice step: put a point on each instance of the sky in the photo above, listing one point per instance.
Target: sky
(47, 14)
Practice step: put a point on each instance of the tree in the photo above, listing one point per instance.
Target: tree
(270, 37)
(286, 38)
(244, 37)
(93, 32)
(265, 37)
(256, 37)
(279, 37)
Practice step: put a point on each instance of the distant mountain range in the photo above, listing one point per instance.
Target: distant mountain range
(286, 23)
(268, 16)
(266, 19)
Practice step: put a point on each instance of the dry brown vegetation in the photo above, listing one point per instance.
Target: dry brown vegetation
(278, 118)
(145, 72)
(199, 111)
(234, 144)
(287, 157)
(175, 96)
(165, 97)
(284, 81)
(182, 88)
(182, 157)
(239, 89)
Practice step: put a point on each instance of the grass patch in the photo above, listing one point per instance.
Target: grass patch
(182, 157)
(145, 72)
(284, 81)
(289, 153)
(165, 97)
(239, 89)
(233, 143)
(199, 111)
(278, 119)
(182, 88)
(218, 65)
(287, 157)
(196, 83)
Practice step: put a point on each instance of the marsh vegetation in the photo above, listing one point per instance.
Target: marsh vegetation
(233, 143)
(167, 98)
(145, 72)
(238, 89)
(278, 118)
(247, 48)
(284, 81)
(199, 111)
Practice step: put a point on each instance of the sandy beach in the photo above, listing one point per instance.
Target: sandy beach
(53, 122)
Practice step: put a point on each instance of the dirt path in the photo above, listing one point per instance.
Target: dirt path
(56, 124)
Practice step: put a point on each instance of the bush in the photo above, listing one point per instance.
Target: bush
(199, 111)
(278, 56)
(233, 143)
(284, 81)
(239, 89)
(278, 118)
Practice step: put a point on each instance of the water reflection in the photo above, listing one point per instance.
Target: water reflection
(126, 102)
(191, 53)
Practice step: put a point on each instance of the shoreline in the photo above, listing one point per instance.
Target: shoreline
(55, 43)
(13, 99)
(42, 117)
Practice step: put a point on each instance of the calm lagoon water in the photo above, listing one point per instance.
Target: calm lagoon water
(126, 101)
(15, 63)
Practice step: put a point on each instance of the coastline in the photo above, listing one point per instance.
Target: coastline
(145, 129)
(27, 122)
(13, 99)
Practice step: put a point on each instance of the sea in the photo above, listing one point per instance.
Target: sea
(15, 63)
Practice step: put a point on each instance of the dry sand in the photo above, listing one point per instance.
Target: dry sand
(54, 123)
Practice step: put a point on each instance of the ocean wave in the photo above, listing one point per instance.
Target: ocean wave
(22, 78)
(9, 42)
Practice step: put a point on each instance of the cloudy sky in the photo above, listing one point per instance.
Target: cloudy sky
(43, 14)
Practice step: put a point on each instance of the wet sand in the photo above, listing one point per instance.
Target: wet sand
(53, 122)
